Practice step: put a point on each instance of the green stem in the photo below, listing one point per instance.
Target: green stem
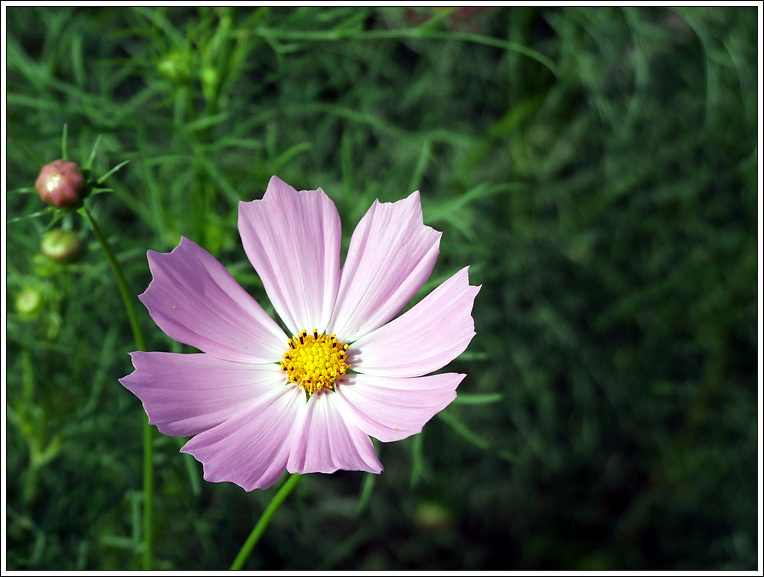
(148, 492)
(148, 430)
(262, 523)
(124, 290)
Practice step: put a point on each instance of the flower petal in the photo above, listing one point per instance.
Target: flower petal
(424, 339)
(293, 241)
(326, 440)
(391, 409)
(185, 394)
(196, 301)
(252, 447)
(390, 257)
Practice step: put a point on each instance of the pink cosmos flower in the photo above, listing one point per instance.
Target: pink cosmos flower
(259, 400)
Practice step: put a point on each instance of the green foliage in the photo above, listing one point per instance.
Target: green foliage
(595, 166)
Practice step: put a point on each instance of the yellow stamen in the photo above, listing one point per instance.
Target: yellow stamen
(315, 361)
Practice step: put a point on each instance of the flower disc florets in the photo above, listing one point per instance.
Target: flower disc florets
(315, 361)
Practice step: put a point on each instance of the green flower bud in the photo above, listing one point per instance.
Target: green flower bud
(432, 515)
(60, 183)
(175, 67)
(210, 79)
(29, 302)
(61, 245)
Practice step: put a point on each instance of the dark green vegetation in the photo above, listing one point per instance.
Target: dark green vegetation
(596, 167)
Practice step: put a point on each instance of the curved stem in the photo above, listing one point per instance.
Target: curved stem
(262, 523)
(148, 430)
(124, 290)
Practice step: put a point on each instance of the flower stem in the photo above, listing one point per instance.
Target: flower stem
(262, 523)
(148, 430)
(124, 290)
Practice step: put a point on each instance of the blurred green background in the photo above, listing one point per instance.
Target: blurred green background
(596, 167)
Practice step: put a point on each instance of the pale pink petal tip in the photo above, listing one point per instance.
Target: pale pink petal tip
(391, 255)
(252, 447)
(424, 339)
(293, 240)
(196, 301)
(186, 394)
(391, 409)
(325, 440)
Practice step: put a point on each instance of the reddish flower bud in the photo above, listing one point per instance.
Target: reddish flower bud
(60, 183)
(60, 245)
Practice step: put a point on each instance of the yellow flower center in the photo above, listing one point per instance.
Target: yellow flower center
(315, 361)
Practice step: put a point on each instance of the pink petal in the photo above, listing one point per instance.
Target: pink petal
(391, 256)
(187, 394)
(252, 447)
(325, 440)
(293, 241)
(194, 300)
(424, 339)
(391, 409)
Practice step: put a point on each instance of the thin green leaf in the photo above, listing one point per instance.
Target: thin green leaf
(89, 164)
(367, 486)
(477, 398)
(64, 150)
(481, 443)
(112, 171)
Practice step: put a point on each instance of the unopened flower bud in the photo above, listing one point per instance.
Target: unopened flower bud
(29, 302)
(176, 67)
(431, 515)
(60, 183)
(210, 79)
(61, 245)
